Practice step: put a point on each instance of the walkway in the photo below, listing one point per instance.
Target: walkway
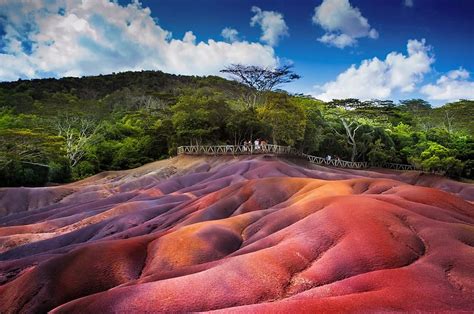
(284, 151)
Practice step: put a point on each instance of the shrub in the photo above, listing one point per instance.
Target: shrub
(83, 170)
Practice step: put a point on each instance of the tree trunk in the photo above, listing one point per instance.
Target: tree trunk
(448, 120)
(351, 136)
(354, 152)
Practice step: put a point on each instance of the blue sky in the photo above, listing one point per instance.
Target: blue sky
(391, 49)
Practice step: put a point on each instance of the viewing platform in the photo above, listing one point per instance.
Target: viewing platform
(216, 150)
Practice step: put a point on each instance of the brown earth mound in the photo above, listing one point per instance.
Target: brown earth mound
(242, 235)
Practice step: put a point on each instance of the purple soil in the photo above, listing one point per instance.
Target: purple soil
(239, 235)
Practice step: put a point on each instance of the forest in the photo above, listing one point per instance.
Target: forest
(61, 130)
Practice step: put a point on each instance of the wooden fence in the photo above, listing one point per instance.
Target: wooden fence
(216, 150)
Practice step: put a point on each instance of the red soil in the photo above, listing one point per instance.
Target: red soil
(242, 235)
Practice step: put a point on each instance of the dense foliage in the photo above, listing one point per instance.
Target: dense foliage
(67, 129)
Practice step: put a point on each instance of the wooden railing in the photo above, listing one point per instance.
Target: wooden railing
(282, 150)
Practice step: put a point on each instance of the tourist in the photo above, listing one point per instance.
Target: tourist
(249, 145)
(328, 157)
(263, 143)
(257, 144)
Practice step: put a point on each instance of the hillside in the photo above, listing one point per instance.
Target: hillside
(97, 87)
(238, 235)
(62, 130)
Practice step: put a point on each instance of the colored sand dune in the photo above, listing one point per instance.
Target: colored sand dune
(238, 235)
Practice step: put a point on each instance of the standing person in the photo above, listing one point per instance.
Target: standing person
(244, 148)
(257, 144)
(249, 146)
(263, 143)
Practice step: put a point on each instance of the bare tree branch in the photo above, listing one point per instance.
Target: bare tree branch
(77, 133)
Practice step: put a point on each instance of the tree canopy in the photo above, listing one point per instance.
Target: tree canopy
(61, 130)
(261, 78)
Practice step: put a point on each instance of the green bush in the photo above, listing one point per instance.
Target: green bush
(21, 174)
(437, 158)
(379, 153)
(60, 171)
(83, 170)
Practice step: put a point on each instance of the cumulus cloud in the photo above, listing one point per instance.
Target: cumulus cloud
(230, 34)
(453, 86)
(339, 41)
(343, 23)
(408, 3)
(189, 37)
(377, 78)
(272, 24)
(88, 37)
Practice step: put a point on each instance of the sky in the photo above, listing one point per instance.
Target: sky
(366, 49)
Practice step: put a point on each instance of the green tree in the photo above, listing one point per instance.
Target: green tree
(455, 117)
(244, 125)
(200, 117)
(285, 118)
(355, 119)
(436, 157)
(314, 128)
(380, 152)
(24, 156)
(259, 80)
(420, 112)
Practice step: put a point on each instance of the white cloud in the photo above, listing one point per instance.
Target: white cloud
(453, 86)
(408, 3)
(88, 37)
(375, 78)
(272, 24)
(343, 23)
(339, 41)
(189, 38)
(15, 66)
(230, 34)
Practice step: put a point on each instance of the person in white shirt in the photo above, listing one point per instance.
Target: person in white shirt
(257, 144)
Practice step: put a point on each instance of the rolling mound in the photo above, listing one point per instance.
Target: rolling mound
(247, 234)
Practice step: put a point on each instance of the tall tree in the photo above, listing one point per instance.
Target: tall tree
(420, 110)
(455, 117)
(286, 119)
(313, 133)
(77, 133)
(260, 79)
(353, 115)
(26, 146)
(244, 125)
(199, 117)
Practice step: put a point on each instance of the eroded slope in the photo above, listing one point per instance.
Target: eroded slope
(195, 234)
